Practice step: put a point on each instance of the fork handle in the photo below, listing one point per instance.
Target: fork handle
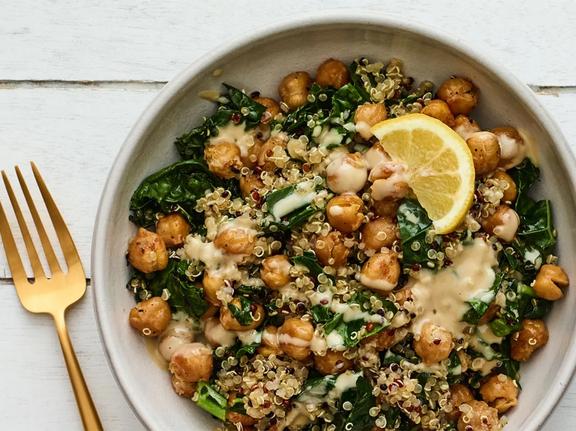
(88, 412)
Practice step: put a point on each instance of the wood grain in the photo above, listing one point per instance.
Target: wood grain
(151, 40)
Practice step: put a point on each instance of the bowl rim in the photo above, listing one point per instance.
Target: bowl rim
(343, 16)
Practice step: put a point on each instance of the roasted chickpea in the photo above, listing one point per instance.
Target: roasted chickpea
(465, 127)
(549, 281)
(512, 147)
(383, 340)
(250, 183)
(267, 151)
(389, 181)
(386, 208)
(381, 271)
(503, 223)
(380, 232)
(241, 419)
(485, 152)
(223, 159)
(272, 107)
(147, 252)
(192, 362)
(270, 343)
(182, 387)
(460, 94)
(510, 190)
(478, 416)
(367, 115)
(532, 336)
(332, 73)
(500, 392)
(294, 338)
(173, 229)
(330, 249)
(345, 212)
(434, 344)
(275, 271)
(459, 394)
(332, 363)
(294, 89)
(150, 317)
(440, 110)
(236, 240)
(216, 335)
(347, 174)
(212, 283)
(176, 334)
(230, 323)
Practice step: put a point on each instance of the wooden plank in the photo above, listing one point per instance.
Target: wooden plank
(75, 134)
(134, 40)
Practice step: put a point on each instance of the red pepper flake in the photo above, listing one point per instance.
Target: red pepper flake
(369, 326)
(236, 118)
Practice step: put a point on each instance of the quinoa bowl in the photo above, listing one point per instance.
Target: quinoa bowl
(258, 63)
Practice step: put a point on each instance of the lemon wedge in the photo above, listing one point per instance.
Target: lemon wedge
(439, 163)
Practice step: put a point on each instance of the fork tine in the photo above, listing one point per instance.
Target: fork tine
(31, 250)
(48, 250)
(12, 255)
(66, 241)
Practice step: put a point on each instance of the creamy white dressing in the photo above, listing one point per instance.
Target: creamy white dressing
(373, 283)
(335, 341)
(218, 263)
(249, 337)
(291, 292)
(389, 180)
(485, 332)
(510, 222)
(375, 155)
(441, 298)
(347, 174)
(364, 129)
(352, 312)
(235, 134)
(301, 196)
(318, 345)
(329, 137)
(512, 152)
(321, 298)
(293, 341)
(344, 382)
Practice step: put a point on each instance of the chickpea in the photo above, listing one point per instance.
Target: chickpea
(367, 115)
(294, 89)
(465, 127)
(485, 152)
(176, 334)
(267, 151)
(294, 338)
(270, 343)
(478, 416)
(332, 363)
(332, 73)
(192, 362)
(459, 394)
(249, 183)
(532, 336)
(381, 271)
(500, 392)
(503, 223)
(243, 420)
(512, 146)
(230, 323)
(216, 335)
(345, 212)
(182, 387)
(223, 159)
(383, 340)
(272, 108)
(330, 249)
(510, 190)
(173, 229)
(460, 94)
(389, 181)
(380, 232)
(386, 208)
(440, 110)
(212, 284)
(434, 344)
(549, 281)
(275, 271)
(147, 252)
(236, 240)
(347, 173)
(150, 317)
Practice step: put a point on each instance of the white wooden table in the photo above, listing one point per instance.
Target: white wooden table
(75, 75)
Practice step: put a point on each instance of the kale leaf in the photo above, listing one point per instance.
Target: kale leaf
(357, 419)
(414, 224)
(479, 305)
(525, 175)
(237, 107)
(210, 400)
(242, 314)
(321, 314)
(309, 260)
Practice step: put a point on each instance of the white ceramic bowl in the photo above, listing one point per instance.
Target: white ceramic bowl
(258, 61)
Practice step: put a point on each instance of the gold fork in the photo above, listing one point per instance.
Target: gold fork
(51, 295)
